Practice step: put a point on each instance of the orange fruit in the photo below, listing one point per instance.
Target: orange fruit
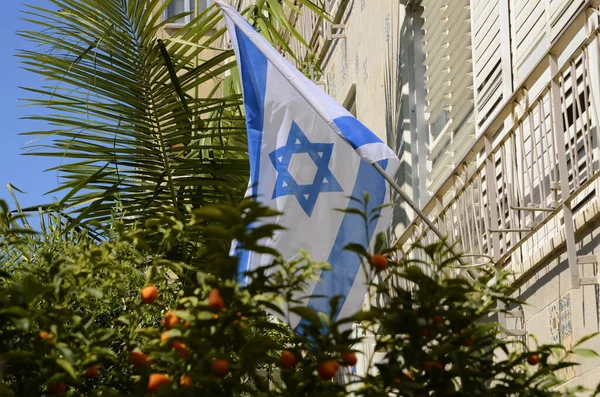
(287, 360)
(533, 359)
(327, 369)
(433, 366)
(149, 294)
(349, 358)
(170, 319)
(157, 380)
(215, 301)
(185, 380)
(139, 359)
(436, 319)
(44, 335)
(57, 388)
(220, 368)
(164, 336)
(92, 372)
(180, 348)
(379, 262)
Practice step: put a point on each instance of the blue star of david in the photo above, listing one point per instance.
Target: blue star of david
(324, 180)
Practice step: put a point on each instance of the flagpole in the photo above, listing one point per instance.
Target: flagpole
(408, 201)
(412, 205)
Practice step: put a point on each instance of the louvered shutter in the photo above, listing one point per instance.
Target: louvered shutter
(488, 60)
(528, 24)
(448, 74)
(561, 12)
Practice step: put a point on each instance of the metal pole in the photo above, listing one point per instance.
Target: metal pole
(409, 201)
(420, 213)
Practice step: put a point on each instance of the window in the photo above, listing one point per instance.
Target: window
(177, 7)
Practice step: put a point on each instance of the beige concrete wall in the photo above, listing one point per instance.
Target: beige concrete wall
(556, 313)
(364, 57)
(377, 62)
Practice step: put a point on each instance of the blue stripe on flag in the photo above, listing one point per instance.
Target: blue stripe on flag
(254, 82)
(345, 265)
(355, 132)
(253, 65)
(243, 263)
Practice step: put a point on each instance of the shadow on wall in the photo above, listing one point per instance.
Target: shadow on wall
(587, 248)
(396, 80)
(539, 281)
(542, 279)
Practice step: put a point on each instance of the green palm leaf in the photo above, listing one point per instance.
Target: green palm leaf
(153, 125)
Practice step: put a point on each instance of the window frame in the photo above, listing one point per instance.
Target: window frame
(187, 6)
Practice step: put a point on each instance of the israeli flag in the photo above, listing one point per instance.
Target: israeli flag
(307, 156)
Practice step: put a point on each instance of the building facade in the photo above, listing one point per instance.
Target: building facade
(493, 107)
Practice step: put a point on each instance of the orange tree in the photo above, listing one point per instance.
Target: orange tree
(117, 317)
(130, 288)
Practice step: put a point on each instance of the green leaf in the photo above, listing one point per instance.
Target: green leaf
(15, 311)
(215, 231)
(380, 242)
(414, 273)
(65, 352)
(32, 288)
(173, 76)
(362, 316)
(172, 333)
(183, 314)
(587, 353)
(103, 352)
(22, 323)
(102, 336)
(67, 367)
(96, 293)
(353, 211)
(357, 248)
(210, 213)
(308, 314)
(149, 332)
(586, 338)
(325, 319)
(334, 305)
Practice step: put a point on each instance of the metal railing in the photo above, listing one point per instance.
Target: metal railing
(529, 172)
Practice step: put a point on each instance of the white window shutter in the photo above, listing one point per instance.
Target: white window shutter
(447, 49)
(487, 58)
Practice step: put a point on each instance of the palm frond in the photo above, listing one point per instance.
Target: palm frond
(154, 125)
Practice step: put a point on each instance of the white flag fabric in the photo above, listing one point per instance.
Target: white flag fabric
(307, 156)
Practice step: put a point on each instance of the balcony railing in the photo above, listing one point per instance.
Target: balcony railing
(530, 179)
(519, 193)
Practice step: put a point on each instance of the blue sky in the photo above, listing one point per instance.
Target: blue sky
(25, 172)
